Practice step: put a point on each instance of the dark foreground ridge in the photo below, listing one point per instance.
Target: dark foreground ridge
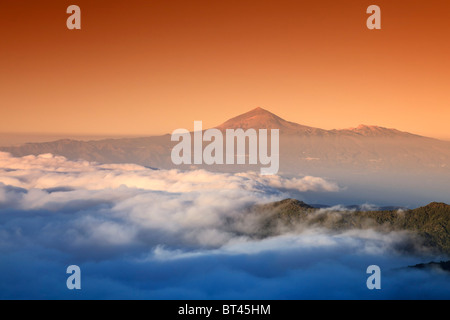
(430, 225)
(442, 265)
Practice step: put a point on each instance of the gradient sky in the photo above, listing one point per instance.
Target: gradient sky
(149, 67)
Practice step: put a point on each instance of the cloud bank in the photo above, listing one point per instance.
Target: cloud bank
(166, 234)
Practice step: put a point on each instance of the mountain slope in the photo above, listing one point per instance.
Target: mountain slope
(431, 223)
(260, 118)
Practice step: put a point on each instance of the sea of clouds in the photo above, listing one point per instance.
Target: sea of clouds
(141, 233)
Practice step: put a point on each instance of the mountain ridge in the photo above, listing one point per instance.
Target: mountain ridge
(430, 223)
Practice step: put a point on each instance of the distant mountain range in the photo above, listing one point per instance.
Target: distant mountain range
(260, 118)
(303, 149)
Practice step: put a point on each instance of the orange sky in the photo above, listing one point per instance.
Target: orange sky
(148, 67)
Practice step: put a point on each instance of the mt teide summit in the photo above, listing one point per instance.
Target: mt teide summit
(262, 119)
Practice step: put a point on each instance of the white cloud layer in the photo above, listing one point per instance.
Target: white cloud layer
(48, 171)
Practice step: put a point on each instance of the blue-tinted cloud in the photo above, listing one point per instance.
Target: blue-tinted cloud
(157, 234)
